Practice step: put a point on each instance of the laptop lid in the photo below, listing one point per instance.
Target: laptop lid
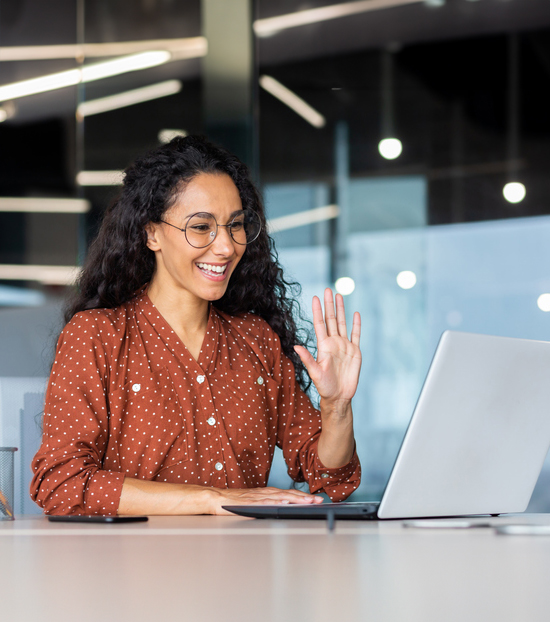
(480, 431)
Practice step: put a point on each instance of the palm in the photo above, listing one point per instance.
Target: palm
(335, 373)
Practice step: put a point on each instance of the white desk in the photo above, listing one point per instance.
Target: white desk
(243, 570)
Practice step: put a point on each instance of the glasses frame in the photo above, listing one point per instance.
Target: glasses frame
(227, 226)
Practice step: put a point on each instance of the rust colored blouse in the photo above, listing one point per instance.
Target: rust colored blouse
(126, 398)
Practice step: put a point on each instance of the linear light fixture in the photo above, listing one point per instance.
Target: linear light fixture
(128, 98)
(292, 100)
(49, 275)
(88, 73)
(190, 47)
(270, 25)
(100, 178)
(46, 206)
(299, 219)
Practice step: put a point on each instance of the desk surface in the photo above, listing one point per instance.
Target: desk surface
(236, 569)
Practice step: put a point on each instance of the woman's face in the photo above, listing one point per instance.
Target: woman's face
(203, 273)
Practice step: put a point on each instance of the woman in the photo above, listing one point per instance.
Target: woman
(177, 373)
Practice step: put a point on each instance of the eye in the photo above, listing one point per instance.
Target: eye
(201, 224)
(236, 225)
(198, 228)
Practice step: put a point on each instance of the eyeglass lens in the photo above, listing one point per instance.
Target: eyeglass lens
(201, 229)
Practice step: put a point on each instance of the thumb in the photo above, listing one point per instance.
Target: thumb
(305, 356)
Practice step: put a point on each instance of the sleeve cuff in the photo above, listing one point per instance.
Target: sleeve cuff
(102, 494)
(338, 483)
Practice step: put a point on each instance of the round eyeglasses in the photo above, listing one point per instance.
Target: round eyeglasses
(201, 228)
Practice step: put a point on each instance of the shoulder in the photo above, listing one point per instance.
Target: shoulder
(104, 325)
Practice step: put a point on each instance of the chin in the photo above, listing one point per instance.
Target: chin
(212, 296)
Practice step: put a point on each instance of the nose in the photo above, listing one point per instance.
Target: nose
(223, 244)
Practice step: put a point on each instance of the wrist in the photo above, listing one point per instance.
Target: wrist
(208, 500)
(335, 409)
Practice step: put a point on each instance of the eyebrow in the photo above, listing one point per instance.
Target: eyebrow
(233, 214)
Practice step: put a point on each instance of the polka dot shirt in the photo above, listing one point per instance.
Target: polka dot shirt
(126, 399)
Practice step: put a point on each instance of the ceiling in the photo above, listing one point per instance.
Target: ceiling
(22, 24)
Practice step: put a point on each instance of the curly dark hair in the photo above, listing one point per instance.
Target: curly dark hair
(119, 262)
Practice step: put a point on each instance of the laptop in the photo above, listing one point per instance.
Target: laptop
(475, 444)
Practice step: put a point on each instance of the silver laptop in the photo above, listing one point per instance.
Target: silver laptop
(476, 441)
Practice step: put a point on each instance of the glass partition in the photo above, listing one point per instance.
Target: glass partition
(431, 149)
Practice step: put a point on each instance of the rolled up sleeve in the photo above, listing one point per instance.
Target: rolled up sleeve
(67, 470)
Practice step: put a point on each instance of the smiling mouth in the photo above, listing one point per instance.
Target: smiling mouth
(211, 270)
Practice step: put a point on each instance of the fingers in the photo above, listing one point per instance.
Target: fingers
(263, 496)
(318, 322)
(330, 314)
(356, 329)
(291, 496)
(341, 316)
(334, 321)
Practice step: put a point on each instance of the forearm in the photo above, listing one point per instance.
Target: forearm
(336, 442)
(145, 497)
(161, 498)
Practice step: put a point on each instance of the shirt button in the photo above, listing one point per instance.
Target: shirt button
(211, 421)
(201, 379)
(136, 387)
(325, 475)
(260, 380)
(218, 466)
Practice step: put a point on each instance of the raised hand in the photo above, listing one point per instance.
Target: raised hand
(335, 373)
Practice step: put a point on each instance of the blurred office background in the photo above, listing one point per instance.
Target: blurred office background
(402, 148)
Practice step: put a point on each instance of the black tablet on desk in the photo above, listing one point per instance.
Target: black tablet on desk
(96, 519)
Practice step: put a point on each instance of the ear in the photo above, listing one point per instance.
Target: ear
(152, 231)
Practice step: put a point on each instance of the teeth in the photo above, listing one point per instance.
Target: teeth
(217, 269)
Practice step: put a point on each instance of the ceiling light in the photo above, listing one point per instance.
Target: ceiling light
(406, 279)
(88, 73)
(190, 47)
(49, 275)
(435, 3)
(345, 285)
(269, 26)
(165, 136)
(292, 100)
(514, 192)
(46, 206)
(7, 111)
(390, 148)
(299, 219)
(128, 98)
(543, 302)
(40, 85)
(124, 64)
(100, 178)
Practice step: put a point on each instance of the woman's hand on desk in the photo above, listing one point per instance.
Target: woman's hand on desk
(154, 498)
(258, 496)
